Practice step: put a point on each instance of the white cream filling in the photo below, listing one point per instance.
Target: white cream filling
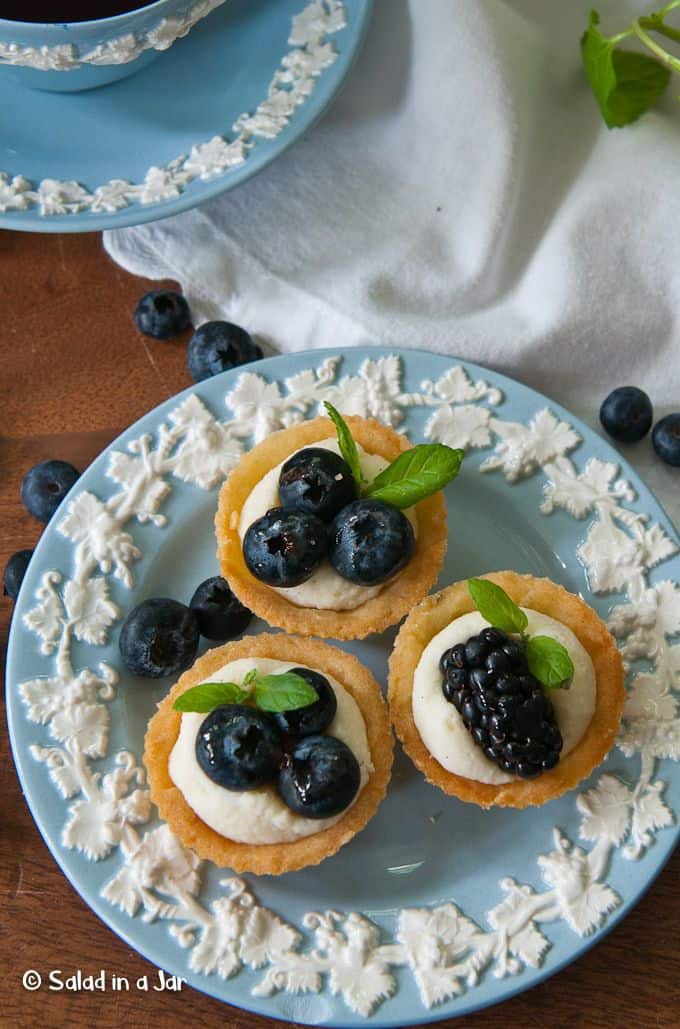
(325, 589)
(441, 727)
(260, 816)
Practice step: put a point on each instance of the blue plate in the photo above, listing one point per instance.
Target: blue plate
(144, 148)
(437, 908)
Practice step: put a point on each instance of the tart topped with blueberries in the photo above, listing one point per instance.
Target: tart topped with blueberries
(270, 753)
(335, 527)
(505, 690)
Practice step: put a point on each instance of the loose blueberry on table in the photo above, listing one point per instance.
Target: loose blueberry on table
(162, 314)
(666, 439)
(217, 347)
(274, 733)
(45, 485)
(627, 414)
(14, 572)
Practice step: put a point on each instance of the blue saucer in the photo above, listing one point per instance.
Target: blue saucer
(124, 154)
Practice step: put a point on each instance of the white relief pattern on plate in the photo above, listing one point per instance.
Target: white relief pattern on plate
(445, 951)
(523, 449)
(292, 83)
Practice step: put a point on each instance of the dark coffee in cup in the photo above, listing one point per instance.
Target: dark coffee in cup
(66, 10)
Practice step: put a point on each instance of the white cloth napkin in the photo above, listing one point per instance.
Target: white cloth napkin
(462, 195)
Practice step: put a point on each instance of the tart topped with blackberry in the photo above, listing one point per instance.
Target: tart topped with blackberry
(270, 753)
(335, 527)
(505, 690)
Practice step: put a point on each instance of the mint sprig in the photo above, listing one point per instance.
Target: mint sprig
(626, 83)
(348, 448)
(414, 475)
(548, 660)
(284, 692)
(496, 606)
(210, 695)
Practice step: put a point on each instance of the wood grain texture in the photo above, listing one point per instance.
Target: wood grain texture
(66, 335)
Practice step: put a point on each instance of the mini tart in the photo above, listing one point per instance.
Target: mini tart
(438, 611)
(395, 599)
(271, 858)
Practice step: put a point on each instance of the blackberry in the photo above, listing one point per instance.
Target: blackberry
(503, 706)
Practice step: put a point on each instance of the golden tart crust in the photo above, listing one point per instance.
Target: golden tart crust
(396, 598)
(270, 858)
(436, 612)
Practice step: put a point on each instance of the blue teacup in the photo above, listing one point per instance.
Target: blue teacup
(76, 55)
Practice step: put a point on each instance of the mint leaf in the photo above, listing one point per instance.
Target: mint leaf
(549, 662)
(416, 474)
(285, 692)
(348, 447)
(496, 606)
(209, 695)
(626, 84)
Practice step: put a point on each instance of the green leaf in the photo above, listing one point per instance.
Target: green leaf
(549, 662)
(209, 695)
(285, 692)
(496, 606)
(625, 83)
(416, 474)
(348, 447)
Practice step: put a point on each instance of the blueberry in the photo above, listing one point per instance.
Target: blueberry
(305, 721)
(283, 548)
(14, 572)
(317, 481)
(159, 637)
(218, 346)
(627, 414)
(239, 747)
(320, 777)
(162, 313)
(666, 439)
(220, 614)
(44, 487)
(370, 542)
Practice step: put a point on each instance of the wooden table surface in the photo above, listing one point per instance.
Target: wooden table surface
(74, 373)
